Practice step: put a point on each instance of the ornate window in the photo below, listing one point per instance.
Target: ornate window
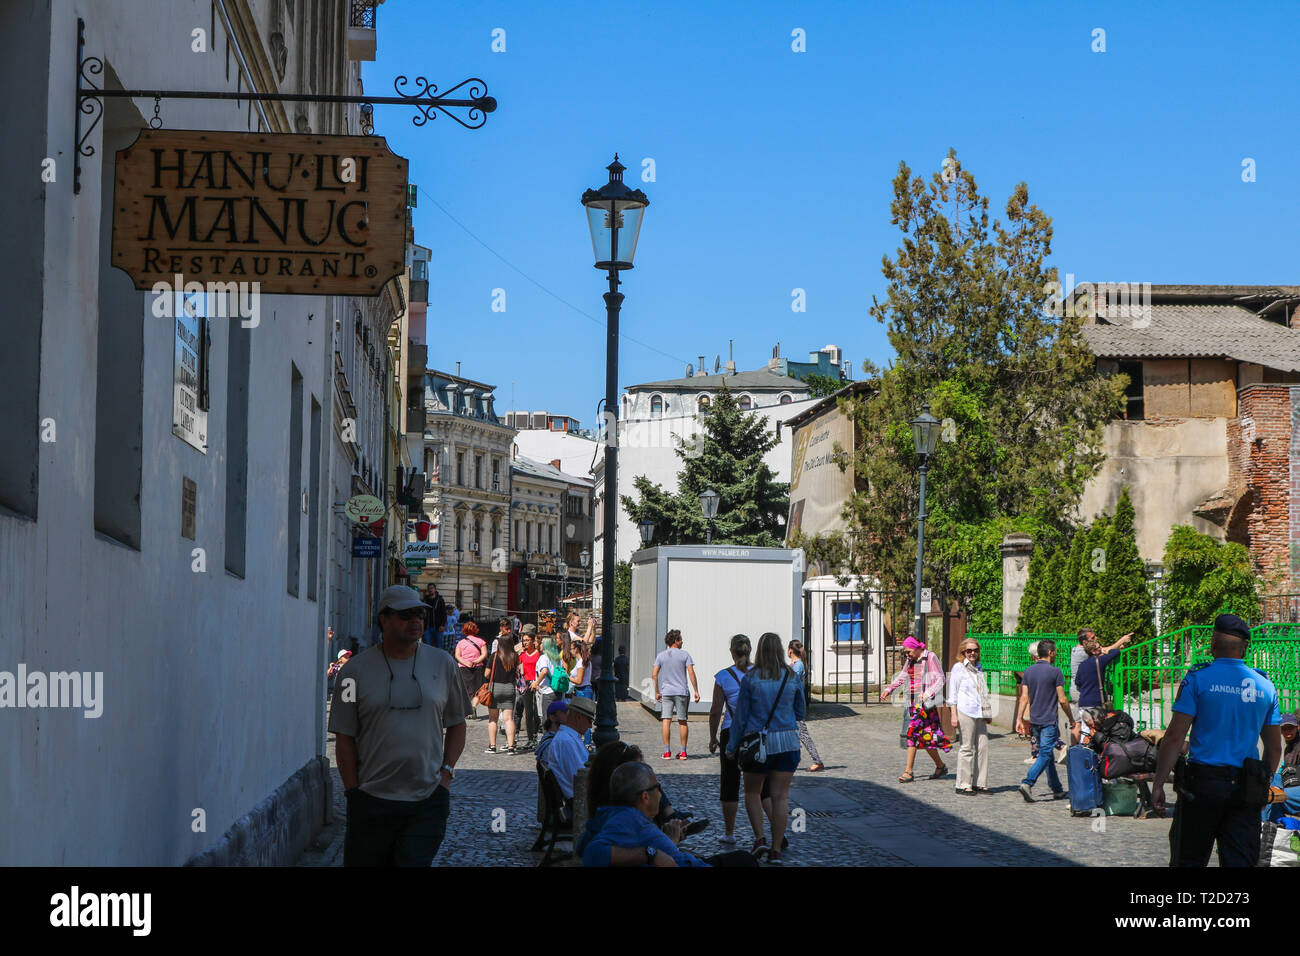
(746, 402)
(702, 404)
(657, 406)
(786, 399)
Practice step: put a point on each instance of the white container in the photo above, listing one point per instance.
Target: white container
(709, 593)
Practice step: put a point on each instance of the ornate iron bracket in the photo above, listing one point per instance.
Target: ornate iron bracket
(425, 100)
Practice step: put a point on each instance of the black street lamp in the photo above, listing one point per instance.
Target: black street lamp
(709, 505)
(925, 434)
(647, 529)
(614, 214)
(585, 558)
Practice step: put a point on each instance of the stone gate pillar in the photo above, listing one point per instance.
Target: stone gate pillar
(1016, 549)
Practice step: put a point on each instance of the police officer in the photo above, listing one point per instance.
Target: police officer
(1230, 708)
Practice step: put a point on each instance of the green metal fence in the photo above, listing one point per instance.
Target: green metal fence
(1002, 656)
(1144, 679)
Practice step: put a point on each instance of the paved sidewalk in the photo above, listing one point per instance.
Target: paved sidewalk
(855, 813)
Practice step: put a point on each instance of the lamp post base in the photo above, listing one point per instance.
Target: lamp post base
(606, 729)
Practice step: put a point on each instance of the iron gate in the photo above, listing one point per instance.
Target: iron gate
(853, 642)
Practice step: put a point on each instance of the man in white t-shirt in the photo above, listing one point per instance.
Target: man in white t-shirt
(672, 668)
(566, 754)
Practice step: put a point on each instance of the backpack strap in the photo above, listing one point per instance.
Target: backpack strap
(727, 703)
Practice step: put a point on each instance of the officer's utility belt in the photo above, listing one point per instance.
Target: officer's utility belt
(1251, 776)
(1206, 771)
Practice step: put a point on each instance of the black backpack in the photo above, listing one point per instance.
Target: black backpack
(1116, 726)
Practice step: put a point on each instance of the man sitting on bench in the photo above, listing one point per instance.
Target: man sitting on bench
(566, 754)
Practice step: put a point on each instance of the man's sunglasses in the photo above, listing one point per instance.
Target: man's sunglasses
(648, 789)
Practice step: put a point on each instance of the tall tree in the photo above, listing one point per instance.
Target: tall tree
(1031, 599)
(967, 311)
(1089, 602)
(752, 505)
(1067, 619)
(1204, 577)
(1125, 597)
(1051, 600)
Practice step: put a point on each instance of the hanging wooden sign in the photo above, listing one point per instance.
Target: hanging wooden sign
(298, 214)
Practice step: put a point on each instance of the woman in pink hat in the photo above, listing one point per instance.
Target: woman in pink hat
(922, 726)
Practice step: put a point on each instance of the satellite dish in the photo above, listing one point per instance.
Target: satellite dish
(690, 370)
(717, 363)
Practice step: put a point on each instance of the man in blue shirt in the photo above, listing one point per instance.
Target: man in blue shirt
(625, 834)
(1042, 691)
(1229, 709)
(1090, 678)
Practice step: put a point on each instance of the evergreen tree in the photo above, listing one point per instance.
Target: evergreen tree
(1089, 602)
(819, 386)
(1126, 600)
(1074, 566)
(967, 312)
(752, 505)
(1051, 600)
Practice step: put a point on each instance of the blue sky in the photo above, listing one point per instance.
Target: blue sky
(773, 167)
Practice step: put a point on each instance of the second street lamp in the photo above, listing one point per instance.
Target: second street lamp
(647, 529)
(925, 433)
(585, 558)
(709, 505)
(614, 214)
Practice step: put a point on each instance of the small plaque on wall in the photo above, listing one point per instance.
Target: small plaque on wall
(189, 507)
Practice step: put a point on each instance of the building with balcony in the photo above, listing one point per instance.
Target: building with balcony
(466, 461)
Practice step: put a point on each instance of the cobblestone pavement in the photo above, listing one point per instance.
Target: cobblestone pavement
(855, 813)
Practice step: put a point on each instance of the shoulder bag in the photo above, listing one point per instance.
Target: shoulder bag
(1101, 686)
(752, 751)
(484, 694)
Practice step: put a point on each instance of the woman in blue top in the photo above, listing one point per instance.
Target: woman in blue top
(770, 700)
(795, 652)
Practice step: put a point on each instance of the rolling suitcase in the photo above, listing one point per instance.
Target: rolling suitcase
(1083, 773)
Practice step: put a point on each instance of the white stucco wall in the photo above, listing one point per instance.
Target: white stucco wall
(211, 684)
(1169, 468)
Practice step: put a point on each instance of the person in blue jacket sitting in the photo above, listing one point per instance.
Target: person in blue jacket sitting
(625, 834)
(1273, 812)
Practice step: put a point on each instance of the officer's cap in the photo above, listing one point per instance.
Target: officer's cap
(1231, 624)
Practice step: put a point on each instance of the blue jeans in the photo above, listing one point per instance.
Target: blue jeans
(1046, 736)
(590, 694)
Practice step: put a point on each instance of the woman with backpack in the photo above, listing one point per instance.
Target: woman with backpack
(765, 739)
(502, 674)
(546, 665)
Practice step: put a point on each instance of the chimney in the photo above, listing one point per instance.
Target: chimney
(731, 367)
(555, 463)
(700, 369)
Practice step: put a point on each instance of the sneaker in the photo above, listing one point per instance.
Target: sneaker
(668, 755)
(511, 750)
(1060, 795)
(490, 750)
(1026, 793)
(682, 755)
(728, 839)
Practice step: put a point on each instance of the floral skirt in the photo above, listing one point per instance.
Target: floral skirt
(922, 728)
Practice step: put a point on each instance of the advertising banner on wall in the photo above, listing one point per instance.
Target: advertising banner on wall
(818, 487)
